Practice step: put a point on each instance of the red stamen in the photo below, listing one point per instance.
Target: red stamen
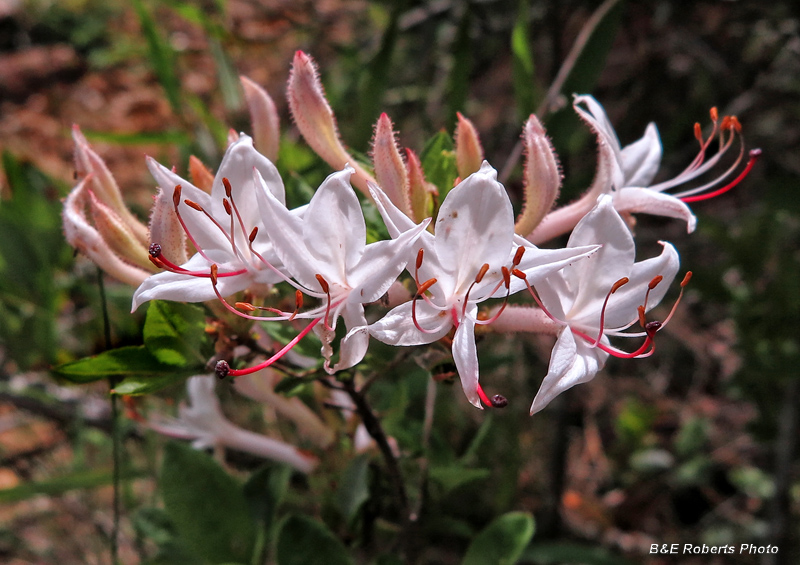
(227, 184)
(614, 288)
(223, 368)
(326, 289)
(754, 155)
(482, 272)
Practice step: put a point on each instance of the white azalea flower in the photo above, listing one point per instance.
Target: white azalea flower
(202, 421)
(469, 258)
(219, 226)
(598, 297)
(327, 254)
(627, 173)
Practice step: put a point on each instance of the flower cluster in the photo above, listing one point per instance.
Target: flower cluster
(463, 259)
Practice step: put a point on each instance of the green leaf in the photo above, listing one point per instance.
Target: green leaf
(174, 333)
(139, 385)
(129, 361)
(264, 491)
(523, 69)
(439, 162)
(206, 505)
(305, 541)
(162, 57)
(501, 542)
(454, 476)
(354, 488)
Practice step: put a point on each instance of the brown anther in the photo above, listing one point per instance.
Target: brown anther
(620, 283)
(253, 234)
(652, 327)
(518, 255)
(298, 299)
(227, 206)
(426, 285)
(714, 114)
(736, 124)
(245, 306)
(193, 205)
(482, 272)
(506, 276)
(654, 283)
(726, 123)
(176, 195)
(698, 132)
(499, 401)
(214, 274)
(519, 274)
(419, 257)
(222, 369)
(227, 184)
(686, 278)
(642, 319)
(323, 283)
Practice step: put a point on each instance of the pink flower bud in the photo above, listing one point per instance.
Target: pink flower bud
(390, 170)
(315, 120)
(542, 176)
(165, 228)
(117, 235)
(201, 177)
(86, 239)
(469, 153)
(264, 117)
(103, 185)
(421, 192)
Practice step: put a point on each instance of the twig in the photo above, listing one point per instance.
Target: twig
(375, 430)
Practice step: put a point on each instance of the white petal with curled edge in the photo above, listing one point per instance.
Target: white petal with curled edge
(640, 160)
(465, 356)
(397, 326)
(656, 203)
(354, 345)
(571, 363)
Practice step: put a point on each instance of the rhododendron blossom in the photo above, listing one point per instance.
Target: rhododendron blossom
(599, 297)
(219, 226)
(466, 261)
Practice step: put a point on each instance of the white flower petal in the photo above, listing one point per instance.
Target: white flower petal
(465, 356)
(571, 362)
(354, 345)
(334, 231)
(475, 226)
(656, 203)
(640, 160)
(397, 326)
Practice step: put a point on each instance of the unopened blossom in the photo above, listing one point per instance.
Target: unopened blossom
(202, 421)
(468, 149)
(390, 170)
(219, 226)
(627, 173)
(542, 176)
(598, 297)
(314, 118)
(263, 117)
(98, 224)
(465, 262)
(327, 254)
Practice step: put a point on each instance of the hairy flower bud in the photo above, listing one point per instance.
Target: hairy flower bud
(390, 170)
(542, 176)
(264, 117)
(469, 153)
